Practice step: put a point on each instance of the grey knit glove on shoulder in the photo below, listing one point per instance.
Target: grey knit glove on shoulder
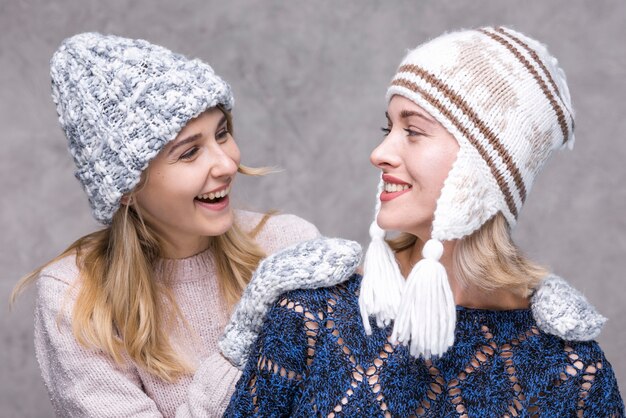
(561, 310)
(320, 262)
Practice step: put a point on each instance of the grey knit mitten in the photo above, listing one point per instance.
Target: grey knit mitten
(561, 310)
(321, 262)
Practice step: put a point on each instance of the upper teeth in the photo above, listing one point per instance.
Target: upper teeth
(393, 187)
(215, 195)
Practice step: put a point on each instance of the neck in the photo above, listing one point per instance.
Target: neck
(465, 295)
(177, 249)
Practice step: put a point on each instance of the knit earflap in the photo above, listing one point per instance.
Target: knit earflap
(382, 283)
(427, 315)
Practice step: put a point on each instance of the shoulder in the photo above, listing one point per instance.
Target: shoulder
(584, 373)
(295, 327)
(55, 281)
(319, 298)
(301, 313)
(63, 271)
(561, 310)
(318, 265)
(316, 306)
(278, 230)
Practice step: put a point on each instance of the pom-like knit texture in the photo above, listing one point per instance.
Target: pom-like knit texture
(321, 262)
(120, 101)
(562, 310)
(313, 358)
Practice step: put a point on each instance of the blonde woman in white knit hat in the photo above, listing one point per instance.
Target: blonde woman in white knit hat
(127, 318)
(449, 319)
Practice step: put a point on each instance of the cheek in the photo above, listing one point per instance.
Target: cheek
(162, 189)
(441, 173)
(234, 153)
(449, 160)
(439, 166)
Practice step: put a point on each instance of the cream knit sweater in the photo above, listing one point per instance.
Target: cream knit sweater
(87, 383)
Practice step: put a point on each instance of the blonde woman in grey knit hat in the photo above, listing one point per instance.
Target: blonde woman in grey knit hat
(449, 318)
(127, 318)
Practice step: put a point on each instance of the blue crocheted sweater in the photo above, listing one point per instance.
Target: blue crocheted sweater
(313, 358)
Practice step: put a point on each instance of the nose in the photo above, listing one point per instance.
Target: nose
(385, 154)
(224, 161)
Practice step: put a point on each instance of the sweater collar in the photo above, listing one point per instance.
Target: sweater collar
(197, 267)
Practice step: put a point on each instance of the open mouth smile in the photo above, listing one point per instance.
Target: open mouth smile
(214, 200)
(393, 187)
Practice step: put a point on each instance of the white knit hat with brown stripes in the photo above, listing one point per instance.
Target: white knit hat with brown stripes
(505, 100)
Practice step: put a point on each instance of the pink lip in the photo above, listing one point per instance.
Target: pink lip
(221, 205)
(391, 179)
(387, 196)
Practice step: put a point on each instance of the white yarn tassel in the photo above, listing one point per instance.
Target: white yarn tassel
(427, 316)
(382, 283)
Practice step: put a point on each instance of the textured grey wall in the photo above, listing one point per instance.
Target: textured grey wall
(309, 81)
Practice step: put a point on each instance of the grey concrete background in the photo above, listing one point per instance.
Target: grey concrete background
(309, 81)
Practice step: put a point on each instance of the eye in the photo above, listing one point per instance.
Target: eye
(385, 130)
(222, 135)
(189, 154)
(413, 132)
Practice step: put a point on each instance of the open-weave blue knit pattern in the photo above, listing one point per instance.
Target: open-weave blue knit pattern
(120, 101)
(312, 358)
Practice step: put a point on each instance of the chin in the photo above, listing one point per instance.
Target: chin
(402, 223)
(220, 226)
(389, 223)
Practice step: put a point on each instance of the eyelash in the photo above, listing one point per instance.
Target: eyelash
(222, 136)
(189, 154)
(411, 132)
(223, 133)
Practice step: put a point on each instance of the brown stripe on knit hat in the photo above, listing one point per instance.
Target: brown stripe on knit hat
(542, 84)
(532, 53)
(540, 63)
(508, 197)
(473, 116)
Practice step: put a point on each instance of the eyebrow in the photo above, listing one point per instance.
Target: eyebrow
(193, 137)
(183, 142)
(409, 113)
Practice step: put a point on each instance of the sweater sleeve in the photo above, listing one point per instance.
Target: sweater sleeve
(598, 392)
(211, 388)
(271, 381)
(81, 382)
(277, 231)
(282, 231)
(86, 382)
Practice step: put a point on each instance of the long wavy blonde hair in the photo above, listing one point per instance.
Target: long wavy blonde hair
(120, 308)
(488, 259)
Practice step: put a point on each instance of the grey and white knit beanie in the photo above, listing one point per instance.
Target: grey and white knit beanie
(120, 101)
(505, 100)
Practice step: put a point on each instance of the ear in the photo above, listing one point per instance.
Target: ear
(126, 200)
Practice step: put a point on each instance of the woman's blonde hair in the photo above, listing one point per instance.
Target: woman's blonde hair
(488, 259)
(120, 308)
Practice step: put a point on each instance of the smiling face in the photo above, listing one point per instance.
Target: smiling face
(415, 158)
(185, 195)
